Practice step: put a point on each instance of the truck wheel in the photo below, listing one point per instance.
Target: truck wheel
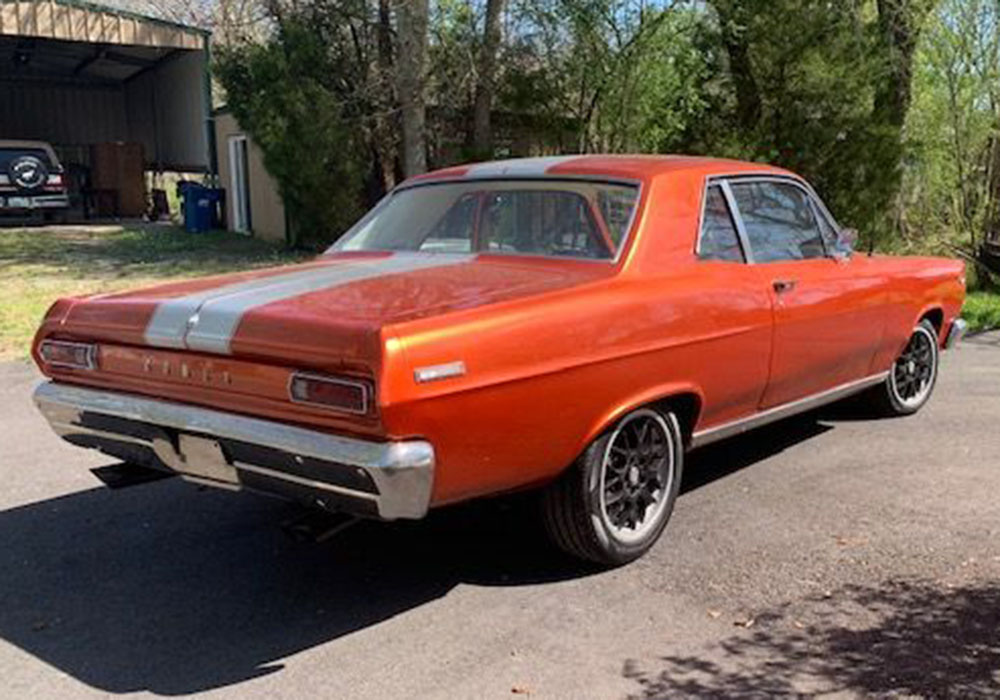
(613, 503)
(913, 375)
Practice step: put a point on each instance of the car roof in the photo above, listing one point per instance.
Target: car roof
(626, 167)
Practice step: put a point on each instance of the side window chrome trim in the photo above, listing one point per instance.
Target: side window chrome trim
(711, 182)
(741, 230)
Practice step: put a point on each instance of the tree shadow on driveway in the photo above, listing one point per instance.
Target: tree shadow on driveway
(920, 640)
(166, 589)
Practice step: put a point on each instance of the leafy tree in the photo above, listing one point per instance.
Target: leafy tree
(888, 106)
(817, 87)
(280, 92)
(952, 183)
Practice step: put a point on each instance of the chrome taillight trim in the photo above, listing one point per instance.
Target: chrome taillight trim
(365, 387)
(90, 354)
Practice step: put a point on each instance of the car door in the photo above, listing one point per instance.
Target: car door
(828, 311)
(733, 308)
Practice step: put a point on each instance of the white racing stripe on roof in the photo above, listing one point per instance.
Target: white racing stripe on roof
(518, 167)
(218, 318)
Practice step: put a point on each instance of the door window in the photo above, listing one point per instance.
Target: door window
(779, 221)
(719, 240)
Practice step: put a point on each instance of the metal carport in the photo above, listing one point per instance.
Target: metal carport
(77, 74)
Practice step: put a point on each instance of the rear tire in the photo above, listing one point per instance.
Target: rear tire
(612, 505)
(913, 375)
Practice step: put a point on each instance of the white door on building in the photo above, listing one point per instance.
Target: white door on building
(239, 185)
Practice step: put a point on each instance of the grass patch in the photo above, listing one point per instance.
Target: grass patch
(982, 311)
(39, 265)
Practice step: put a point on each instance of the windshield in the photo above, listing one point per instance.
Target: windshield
(528, 217)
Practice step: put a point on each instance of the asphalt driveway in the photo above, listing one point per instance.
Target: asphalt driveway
(825, 554)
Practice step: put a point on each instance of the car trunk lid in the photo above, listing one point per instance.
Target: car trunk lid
(325, 314)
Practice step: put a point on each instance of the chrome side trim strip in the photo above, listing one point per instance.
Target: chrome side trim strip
(742, 425)
(403, 471)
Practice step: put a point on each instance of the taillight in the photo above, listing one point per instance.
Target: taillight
(54, 181)
(342, 394)
(62, 353)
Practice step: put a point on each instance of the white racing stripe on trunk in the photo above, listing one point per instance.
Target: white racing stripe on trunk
(172, 318)
(214, 323)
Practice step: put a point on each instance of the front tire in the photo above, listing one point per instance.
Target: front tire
(913, 375)
(611, 506)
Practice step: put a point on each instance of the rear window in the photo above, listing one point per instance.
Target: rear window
(553, 218)
(9, 154)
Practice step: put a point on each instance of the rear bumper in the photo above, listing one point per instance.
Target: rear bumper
(955, 333)
(13, 202)
(387, 480)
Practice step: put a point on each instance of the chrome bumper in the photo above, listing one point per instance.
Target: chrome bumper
(44, 201)
(955, 333)
(388, 480)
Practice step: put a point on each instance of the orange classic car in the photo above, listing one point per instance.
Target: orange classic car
(571, 324)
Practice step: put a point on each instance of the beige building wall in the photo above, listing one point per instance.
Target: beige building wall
(267, 210)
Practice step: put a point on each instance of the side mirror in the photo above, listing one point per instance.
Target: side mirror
(848, 239)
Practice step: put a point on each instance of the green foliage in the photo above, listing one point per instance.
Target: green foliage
(950, 185)
(816, 86)
(606, 75)
(281, 92)
(982, 311)
(815, 68)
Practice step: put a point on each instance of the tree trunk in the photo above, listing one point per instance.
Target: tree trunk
(733, 20)
(482, 129)
(411, 16)
(385, 129)
(900, 22)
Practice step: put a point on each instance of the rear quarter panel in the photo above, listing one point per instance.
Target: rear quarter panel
(545, 375)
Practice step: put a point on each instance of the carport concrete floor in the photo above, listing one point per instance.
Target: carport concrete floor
(826, 554)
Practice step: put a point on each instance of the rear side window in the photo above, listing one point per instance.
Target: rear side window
(718, 232)
(7, 155)
(779, 221)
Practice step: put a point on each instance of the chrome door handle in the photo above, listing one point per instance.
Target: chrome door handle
(782, 286)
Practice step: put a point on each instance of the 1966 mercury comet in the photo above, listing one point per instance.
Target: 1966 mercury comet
(572, 324)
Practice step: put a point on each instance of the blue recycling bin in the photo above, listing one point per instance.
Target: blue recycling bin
(200, 206)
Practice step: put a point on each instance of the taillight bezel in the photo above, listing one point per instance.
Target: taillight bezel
(365, 387)
(89, 359)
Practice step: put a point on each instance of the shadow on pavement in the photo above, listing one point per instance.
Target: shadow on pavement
(720, 459)
(922, 640)
(166, 589)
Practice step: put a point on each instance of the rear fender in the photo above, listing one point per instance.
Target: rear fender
(653, 395)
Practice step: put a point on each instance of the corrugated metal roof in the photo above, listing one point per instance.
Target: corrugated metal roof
(83, 21)
(193, 13)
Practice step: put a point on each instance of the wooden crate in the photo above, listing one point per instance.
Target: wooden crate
(121, 167)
